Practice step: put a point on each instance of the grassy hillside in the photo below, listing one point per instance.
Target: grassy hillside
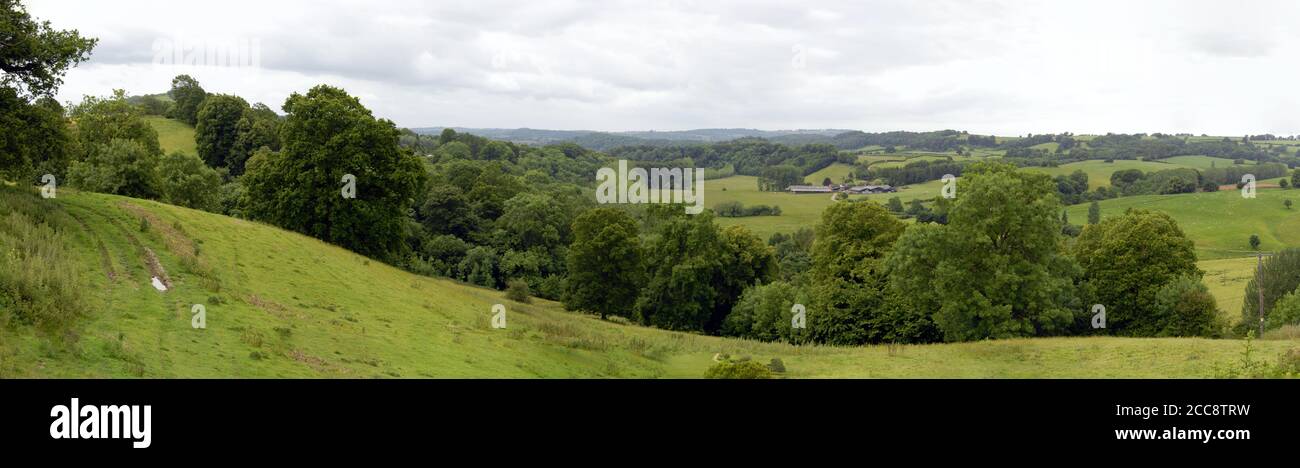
(283, 305)
(173, 135)
(837, 172)
(1220, 223)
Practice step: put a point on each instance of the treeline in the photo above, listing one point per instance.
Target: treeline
(914, 172)
(997, 269)
(735, 209)
(940, 141)
(748, 156)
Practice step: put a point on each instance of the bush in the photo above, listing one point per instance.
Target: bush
(517, 290)
(120, 167)
(1286, 311)
(1187, 308)
(39, 279)
(186, 181)
(737, 369)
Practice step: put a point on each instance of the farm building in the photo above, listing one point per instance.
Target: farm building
(808, 189)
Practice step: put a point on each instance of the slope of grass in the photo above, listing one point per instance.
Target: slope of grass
(837, 172)
(1227, 278)
(173, 135)
(283, 305)
(1220, 223)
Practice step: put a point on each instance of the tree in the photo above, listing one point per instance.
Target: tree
(1286, 311)
(533, 220)
(1186, 308)
(1279, 275)
(33, 55)
(604, 263)
(258, 128)
(995, 270)
(184, 180)
(1094, 212)
(34, 138)
(101, 120)
(328, 134)
(1127, 259)
(187, 95)
(1254, 242)
(1284, 183)
(763, 313)
(849, 297)
(218, 127)
(120, 167)
(1287, 203)
(1295, 178)
(696, 272)
(827, 182)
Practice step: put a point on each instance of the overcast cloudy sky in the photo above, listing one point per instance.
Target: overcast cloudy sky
(1004, 67)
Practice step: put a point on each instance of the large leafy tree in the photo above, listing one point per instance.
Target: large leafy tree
(188, 95)
(697, 271)
(328, 134)
(849, 283)
(33, 59)
(996, 270)
(604, 263)
(34, 138)
(101, 120)
(258, 128)
(33, 55)
(1127, 259)
(218, 128)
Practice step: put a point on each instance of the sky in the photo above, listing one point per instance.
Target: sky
(986, 66)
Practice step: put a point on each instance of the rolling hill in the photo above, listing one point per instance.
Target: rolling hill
(279, 304)
(1220, 223)
(173, 135)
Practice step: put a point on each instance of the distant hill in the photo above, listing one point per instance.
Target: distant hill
(601, 141)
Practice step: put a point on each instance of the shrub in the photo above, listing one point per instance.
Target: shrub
(517, 290)
(1186, 308)
(738, 369)
(184, 180)
(1286, 311)
(39, 282)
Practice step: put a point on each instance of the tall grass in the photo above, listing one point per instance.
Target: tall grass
(39, 282)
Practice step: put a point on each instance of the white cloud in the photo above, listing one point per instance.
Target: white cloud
(1008, 67)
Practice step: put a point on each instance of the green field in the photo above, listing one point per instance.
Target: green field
(173, 135)
(837, 172)
(1220, 223)
(1099, 171)
(280, 304)
(1227, 280)
(803, 210)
